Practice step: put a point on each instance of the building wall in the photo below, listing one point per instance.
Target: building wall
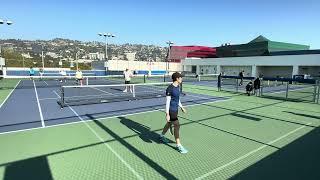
(142, 65)
(235, 70)
(289, 60)
(258, 64)
(311, 70)
(276, 71)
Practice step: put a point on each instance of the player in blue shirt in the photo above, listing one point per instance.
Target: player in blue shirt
(31, 72)
(172, 107)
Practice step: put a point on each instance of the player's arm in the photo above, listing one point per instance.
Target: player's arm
(168, 100)
(181, 107)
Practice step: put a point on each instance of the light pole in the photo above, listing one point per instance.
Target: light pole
(42, 57)
(8, 22)
(167, 65)
(77, 57)
(106, 35)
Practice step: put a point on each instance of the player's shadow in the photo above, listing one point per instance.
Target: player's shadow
(142, 130)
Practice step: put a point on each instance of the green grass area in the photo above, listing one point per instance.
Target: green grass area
(6, 86)
(233, 138)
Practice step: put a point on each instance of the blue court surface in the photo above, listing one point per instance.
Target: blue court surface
(34, 104)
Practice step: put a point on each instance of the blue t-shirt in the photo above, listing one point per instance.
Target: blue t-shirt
(174, 93)
(31, 71)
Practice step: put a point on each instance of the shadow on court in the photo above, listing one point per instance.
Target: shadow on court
(303, 115)
(163, 172)
(33, 168)
(298, 160)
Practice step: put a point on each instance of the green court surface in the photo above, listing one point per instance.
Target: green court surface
(241, 138)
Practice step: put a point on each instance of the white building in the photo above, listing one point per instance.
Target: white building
(131, 56)
(282, 64)
(96, 56)
(52, 54)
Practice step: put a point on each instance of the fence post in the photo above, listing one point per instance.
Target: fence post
(318, 91)
(287, 90)
(237, 84)
(262, 86)
(314, 98)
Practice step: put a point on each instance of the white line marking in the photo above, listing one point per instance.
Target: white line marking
(39, 106)
(9, 94)
(251, 152)
(46, 83)
(103, 118)
(43, 99)
(57, 94)
(107, 145)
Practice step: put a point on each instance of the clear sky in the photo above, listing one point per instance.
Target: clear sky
(185, 22)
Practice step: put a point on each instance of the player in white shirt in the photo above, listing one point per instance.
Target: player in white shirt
(64, 75)
(127, 78)
(79, 77)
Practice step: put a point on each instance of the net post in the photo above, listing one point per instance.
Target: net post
(62, 102)
(87, 80)
(199, 77)
(133, 91)
(144, 78)
(287, 92)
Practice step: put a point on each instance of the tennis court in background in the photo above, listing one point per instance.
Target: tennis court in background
(228, 135)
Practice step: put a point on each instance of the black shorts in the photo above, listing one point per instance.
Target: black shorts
(173, 116)
(126, 82)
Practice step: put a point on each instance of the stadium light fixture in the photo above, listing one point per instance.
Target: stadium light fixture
(106, 35)
(167, 66)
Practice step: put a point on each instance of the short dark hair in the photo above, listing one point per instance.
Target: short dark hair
(175, 76)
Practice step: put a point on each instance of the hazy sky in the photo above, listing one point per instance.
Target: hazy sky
(185, 22)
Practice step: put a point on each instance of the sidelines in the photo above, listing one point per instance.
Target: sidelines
(107, 145)
(103, 118)
(250, 153)
(9, 94)
(39, 106)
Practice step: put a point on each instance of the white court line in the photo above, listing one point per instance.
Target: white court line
(46, 83)
(39, 106)
(9, 94)
(107, 145)
(56, 94)
(250, 153)
(104, 118)
(43, 99)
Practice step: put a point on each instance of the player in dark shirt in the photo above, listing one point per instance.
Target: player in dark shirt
(172, 107)
(241, 74)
